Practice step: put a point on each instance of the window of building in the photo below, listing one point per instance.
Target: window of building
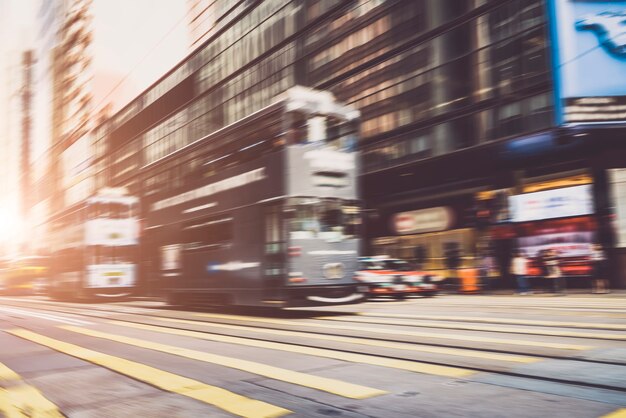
(509, 119)
(539, 113)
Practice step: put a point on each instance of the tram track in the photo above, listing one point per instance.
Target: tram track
(264, 322)
(165, 321)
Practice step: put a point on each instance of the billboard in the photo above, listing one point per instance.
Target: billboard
(572, 238)
(551, 204)
(589, 60)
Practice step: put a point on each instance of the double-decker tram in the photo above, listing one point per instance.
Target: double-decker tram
(268, 213)
(94, 247)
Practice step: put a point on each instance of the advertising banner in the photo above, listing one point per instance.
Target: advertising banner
(571, 238)
(551, 204)
(589, 60)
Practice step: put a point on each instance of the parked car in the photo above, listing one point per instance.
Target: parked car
(385, 276)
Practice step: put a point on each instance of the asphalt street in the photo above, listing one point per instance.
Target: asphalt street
(449, 356)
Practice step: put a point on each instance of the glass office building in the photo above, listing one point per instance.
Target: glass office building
(461, 112)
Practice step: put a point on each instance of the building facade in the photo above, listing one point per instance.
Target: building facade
(471, 144)
(462, 121)
(63, 112)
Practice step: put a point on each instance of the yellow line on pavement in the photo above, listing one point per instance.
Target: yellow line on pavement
(509, 321)
(412, 366)
(363, 341)
(7, 374)
(458, 337)
(212, 395)
(620, 413)
(483, 328)
(20, 400)
(333, 386)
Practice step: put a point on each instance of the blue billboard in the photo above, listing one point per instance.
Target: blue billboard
(589, 60)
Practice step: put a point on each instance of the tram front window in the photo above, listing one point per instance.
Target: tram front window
(329, 219)
(112, 254)
(111, 210)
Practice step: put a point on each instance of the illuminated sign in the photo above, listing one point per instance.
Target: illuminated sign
(589, 58)
(425, 220)
(550, 204)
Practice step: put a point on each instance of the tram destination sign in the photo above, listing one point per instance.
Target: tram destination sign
(321, 171)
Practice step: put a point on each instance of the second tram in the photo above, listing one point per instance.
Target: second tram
(94, 247)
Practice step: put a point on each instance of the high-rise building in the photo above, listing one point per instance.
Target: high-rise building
(63, 102)
(11, 131)
(487, 126)
(207, 17)
(200, 20)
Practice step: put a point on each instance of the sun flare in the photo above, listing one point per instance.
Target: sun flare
(11, 224)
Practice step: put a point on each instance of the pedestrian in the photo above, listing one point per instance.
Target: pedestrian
(542, 257)
(598, 270)
(485, 267)
(519, 269)
(554, 272)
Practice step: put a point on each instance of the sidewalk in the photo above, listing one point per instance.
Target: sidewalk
(617, 293)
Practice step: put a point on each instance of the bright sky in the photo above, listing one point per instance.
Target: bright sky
(136, 41)
(145, 38)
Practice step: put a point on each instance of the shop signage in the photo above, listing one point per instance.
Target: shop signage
(617, 181)
(425, 220)
(551, 204)
(589, 59)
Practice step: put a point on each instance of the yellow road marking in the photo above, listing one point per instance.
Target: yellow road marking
(412, 366)
(620, 413)
(468, 327)
(7, 374)
(510, 321)
(212, 395)
(334, 386)
(20, 400)
(362, 341)
(403, 332)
